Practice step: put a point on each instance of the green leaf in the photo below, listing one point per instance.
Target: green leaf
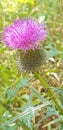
(52, 52)
(27, 121)
(49, 112)
(23, 83)
(59, 91)
(12, 127)
(34, 91)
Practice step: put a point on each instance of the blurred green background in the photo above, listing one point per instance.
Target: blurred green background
(50, 11)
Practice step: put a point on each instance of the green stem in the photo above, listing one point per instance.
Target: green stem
(50, 92)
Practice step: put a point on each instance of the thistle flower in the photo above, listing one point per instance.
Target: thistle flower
(31, 60)
(24, 34)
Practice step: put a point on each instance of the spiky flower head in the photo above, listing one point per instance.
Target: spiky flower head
(24, 34)
(31, 60)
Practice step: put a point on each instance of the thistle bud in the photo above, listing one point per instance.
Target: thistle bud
(31, 60)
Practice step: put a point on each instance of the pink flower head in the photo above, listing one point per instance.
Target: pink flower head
(24, 34)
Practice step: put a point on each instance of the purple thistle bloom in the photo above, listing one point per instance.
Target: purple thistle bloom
(24, 34)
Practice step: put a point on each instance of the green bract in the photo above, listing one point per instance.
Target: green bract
(30, 60)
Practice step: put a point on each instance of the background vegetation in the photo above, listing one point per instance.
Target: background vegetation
(24, 102)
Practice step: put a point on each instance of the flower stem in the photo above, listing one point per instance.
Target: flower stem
(50, 92)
